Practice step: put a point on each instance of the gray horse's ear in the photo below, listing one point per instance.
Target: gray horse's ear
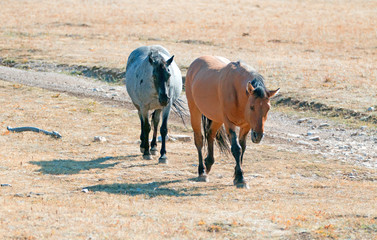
(169, 61)
(150, 58)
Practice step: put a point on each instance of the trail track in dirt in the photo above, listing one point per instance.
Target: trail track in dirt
(289, 132)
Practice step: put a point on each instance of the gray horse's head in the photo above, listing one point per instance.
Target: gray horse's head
(161, 76)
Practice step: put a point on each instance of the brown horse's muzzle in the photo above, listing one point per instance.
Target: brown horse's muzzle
(256, 137)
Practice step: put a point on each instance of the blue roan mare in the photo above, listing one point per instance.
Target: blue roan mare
(154, 82)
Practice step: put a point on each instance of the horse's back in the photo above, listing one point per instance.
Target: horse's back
(202, 83)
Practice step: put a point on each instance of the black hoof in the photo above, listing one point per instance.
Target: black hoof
(147, 157)
(203, 178)
(208, 164)
(163, 160)
(142, 150)
(154, 151)
(240, 184)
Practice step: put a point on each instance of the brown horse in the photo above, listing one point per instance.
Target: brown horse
(229, 93)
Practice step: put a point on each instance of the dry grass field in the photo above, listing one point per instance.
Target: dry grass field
(292, 195)
(314, 50)
(323, 51)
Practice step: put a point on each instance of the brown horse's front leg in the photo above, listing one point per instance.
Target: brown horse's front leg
(239, 180)
(242, 141)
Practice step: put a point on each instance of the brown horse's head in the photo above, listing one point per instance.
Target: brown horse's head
(256, 110)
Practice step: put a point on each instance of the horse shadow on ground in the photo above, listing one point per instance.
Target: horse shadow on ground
(151, 190)
(69, 166)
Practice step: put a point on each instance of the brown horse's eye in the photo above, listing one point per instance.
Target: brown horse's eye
(252, 108)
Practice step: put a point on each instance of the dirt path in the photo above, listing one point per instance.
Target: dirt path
(307, 135)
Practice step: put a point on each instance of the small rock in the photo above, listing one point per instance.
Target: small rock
(344, 147)
(97, 90)
(316, 138)
(6, 185)
(168, 138)
(323, 125)
(182, 138)
(363, 128)
(33, 193)
(302, 120)
(19, 195)
(303, 143)
(99, 139)
(310, 133)
(370, 109)
(101, 179)
(255, 175)
(85, 190)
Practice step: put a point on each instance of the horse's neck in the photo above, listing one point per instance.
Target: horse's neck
(236, 83)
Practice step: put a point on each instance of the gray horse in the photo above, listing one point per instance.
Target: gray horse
(154, 82)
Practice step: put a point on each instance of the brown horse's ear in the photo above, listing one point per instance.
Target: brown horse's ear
(273, 93)
(249, 88)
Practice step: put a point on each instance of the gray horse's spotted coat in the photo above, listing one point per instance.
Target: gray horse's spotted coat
(147, 73)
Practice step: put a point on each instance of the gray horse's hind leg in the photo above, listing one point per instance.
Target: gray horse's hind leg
(144, 136)
(164, 132)
(155, 119)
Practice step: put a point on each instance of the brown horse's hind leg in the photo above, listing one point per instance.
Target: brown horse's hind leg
(209, 160)
(196, 117)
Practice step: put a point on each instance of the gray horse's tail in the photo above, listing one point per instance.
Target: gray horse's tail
(221, 136)
(180, 109)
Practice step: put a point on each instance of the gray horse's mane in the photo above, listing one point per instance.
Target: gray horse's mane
(156, 56)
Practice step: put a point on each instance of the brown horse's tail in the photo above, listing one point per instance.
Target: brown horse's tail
(221, 136)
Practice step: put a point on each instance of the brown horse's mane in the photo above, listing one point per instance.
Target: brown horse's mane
(257, 80)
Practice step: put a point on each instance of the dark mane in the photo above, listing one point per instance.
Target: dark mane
(257, 80)
(156, 56)
(259, 87)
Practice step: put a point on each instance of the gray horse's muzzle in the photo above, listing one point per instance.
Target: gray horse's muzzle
(256, 137)
(163, 99)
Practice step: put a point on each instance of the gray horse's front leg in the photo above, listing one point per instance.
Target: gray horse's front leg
(144, 136)
(164, 132)
(155, 119)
